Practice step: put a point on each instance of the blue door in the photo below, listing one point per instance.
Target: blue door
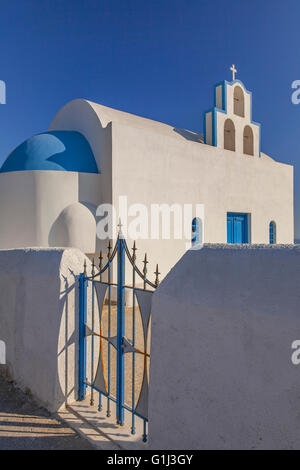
(237, 228)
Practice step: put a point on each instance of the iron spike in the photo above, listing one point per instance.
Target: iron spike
(109, 250)
(157, 273)
(84, 271)
(93, 267)
(100, 260)
(100, 264)
(134, 248)
(145, 264)
(145, 271)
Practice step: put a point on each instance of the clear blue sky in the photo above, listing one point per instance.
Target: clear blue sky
(156, 58)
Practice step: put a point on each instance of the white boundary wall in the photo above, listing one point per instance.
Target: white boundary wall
(39, 321)
(223, 322)
(221, 376)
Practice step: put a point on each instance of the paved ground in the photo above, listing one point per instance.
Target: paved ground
(139, 358)
(25, 425)
(101, 431)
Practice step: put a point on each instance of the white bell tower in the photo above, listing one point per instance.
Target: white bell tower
(228, 125)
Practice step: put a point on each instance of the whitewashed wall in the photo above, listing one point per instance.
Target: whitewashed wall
(150, 162)
(48, 208)
(39, 321)
(160, 170)
(223, 322)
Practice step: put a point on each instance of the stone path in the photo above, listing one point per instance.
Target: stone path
(139, 358)
(101, 431)
(25, 425)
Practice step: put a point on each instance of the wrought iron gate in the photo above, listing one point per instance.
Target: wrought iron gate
(109, 377)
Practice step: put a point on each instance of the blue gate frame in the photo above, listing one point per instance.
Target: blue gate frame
(138, 407)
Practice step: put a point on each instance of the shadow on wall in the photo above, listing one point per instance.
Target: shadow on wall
(29, 285)
(189, 135)
(68, 338)
(63, 355)
(39, 308)
(2, 357)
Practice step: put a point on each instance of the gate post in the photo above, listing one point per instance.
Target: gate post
(120, 332)
(82, 337)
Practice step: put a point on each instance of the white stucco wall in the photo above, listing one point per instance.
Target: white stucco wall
(81, 115)
(149, 162)
(221, 375)
(94, 122)
(39, 321)
(32, 205)
(157, 168)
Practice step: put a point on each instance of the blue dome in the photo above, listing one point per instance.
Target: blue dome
(55, 150)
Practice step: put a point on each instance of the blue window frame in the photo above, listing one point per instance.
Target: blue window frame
(237, 228)
(196, 231)
(272, 233)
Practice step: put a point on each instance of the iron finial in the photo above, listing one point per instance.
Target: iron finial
(145, 270)
(100, 264)
(93, 267)
(157, 273)
(134, 248)
(100, 260)
(145, 264)
(109, 250)
(84, 267)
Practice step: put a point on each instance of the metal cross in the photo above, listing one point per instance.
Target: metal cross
(234, 71)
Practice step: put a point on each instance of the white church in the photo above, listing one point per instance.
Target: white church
(51, 185)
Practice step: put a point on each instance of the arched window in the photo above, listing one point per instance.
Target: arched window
(229, 135)
(196, 231)
(272, 232)
(239, 102)
(248, 141)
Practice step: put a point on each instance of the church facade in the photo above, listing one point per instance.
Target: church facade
(52, 184)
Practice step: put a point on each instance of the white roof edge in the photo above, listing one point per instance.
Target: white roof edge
(107, 115)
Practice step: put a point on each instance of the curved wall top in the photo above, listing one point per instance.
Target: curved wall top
(79, 115)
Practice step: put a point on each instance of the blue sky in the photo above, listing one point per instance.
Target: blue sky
(156, 58)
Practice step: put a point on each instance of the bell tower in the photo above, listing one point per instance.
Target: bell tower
(229, 125)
